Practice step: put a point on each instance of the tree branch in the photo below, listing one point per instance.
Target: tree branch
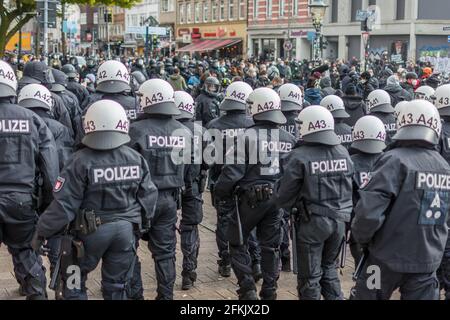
(18, 26)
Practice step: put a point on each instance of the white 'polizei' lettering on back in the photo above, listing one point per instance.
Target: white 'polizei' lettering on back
(14, 126)
(345, 138)
(327, 166)
(430, 180)
(276, 146)
(166, 141)
(115, 174)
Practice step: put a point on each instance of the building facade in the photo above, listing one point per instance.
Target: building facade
(111, 32)
(279, 29)
(167, 19)
(404, 29)
(214, 27)
(88, 29)
(136, 17)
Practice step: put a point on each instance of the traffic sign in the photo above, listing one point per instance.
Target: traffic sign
(448, 38)
(365, 36)
(287, 45)
(151, 30)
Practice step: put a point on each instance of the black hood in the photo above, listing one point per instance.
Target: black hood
(352, 102)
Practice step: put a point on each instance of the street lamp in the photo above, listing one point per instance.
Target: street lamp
(317, 9)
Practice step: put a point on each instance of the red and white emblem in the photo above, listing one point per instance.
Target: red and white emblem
(59, 184)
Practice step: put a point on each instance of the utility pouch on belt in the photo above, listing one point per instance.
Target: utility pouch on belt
(258, 193)
(86, 222)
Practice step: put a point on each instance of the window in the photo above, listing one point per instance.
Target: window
(269, 8)
(222, 9)
(134, 19)
(242, 9)
(167, 5)
(334, 10)
(214, 10)
(206, 11)
(188, 13)
(356, 5)
(400, 10)
(372, 3)
(231, 10)
(198, 11)
(181, 12)
(281, 7)
(255, 8)
(295, 8)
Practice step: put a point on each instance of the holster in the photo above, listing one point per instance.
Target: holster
(303, 213)
(258, 193)
(86, 222)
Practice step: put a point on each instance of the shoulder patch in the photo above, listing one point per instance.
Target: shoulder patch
(59, 184)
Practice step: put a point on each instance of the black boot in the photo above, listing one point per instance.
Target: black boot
(189, 277)
(247, 295)
(268, 295)
(286, 264)
(257, 273)
(224, 269)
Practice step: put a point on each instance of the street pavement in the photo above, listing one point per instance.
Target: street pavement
(209, 285)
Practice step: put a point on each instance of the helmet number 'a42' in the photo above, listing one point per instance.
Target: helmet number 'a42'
(156, 97)
(102, 74)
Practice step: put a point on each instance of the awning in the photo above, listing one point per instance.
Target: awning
(208, 45)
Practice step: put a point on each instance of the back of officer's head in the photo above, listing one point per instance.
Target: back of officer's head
(369, 135)
(157, 98)
(8, 81)
(317, 126)
(418, 120)
(106, 126)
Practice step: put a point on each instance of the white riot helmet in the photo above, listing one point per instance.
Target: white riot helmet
(157, 97)
(265, 105)
(317, 125)
(291, 97)
(399, 106)
(185, 103)
(369, 135)
(335, 105)
(379, 101)
(8, 80)
(419, 121)
(424, 93)
(442, 103)
(35, 96)
(106, 125)
(236, 96)
(113, 77)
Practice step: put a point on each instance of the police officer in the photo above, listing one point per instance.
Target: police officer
(379, 105)
(39, 99)
(139, 66)
(368, 144)
(112, 182)
(137, 78)
(37, 72)
(207, 103)
(191, 199)
(28, 154)
(425, 93)
(90, 68)
(113, 83)
(291, 103)
(335, 105)
(159, 138)
(442, 101)
(228, 126)
(318, 182)
(70, 102)
(74, 86)
(401, 216)
(251, 183)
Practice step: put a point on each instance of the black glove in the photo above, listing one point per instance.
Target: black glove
(202, 181)
(37, 243)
